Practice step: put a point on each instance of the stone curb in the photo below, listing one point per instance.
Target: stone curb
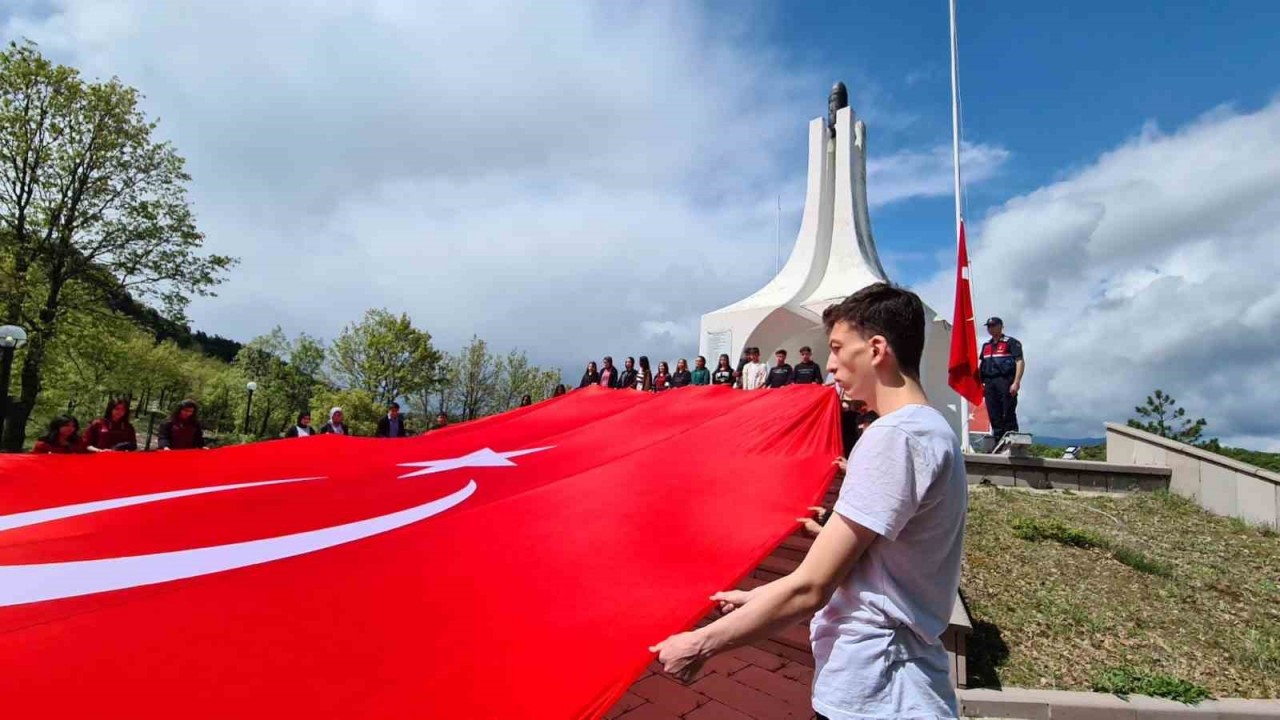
(1065, 705)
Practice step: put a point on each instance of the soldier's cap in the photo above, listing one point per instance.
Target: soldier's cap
(993, 320)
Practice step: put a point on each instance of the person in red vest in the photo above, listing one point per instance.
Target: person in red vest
(182, 430)
(112, 431)
(63, 437)
(1000, 367)
(662, 380)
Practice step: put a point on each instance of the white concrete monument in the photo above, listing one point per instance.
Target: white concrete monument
(834, 256)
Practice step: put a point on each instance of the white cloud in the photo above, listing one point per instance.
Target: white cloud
(549, 175)
(1155, 266)
(911, 174)
(571, 178)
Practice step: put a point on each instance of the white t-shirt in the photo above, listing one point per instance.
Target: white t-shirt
(877, 644)
(753, 375)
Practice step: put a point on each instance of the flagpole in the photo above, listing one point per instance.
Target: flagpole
(777, 238)
(955, 159)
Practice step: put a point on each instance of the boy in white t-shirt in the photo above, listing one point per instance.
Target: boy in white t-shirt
(883, 573)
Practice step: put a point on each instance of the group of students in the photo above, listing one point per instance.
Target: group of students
(751, 374)
(114, 433)
(390, 425)
(182, 431)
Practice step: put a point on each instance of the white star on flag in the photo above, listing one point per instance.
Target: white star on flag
(484, 457)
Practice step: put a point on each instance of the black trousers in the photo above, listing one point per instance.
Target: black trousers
(1002, 408)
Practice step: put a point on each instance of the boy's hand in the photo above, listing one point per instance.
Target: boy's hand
(681, 655)
(811, 526)
(730, 600)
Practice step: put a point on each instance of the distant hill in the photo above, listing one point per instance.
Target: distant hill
(214, 346)
(1059, 442)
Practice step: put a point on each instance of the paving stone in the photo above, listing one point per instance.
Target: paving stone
(755, 656)
(649, 711)
(627, 702)
(799, 673)
(717, 711)
(776, 685)
(668, 694)
(724, 663)
(786, 653)
(753, 702)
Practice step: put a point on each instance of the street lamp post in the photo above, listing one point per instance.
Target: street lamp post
(12, 337)
(250, 386)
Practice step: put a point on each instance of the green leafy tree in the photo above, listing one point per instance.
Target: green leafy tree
(286, 372)
(1162, 416)
(360, 411)
(479, 378)
(93, 210)
(386, 356)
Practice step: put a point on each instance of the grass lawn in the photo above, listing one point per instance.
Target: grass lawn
(1146, 590)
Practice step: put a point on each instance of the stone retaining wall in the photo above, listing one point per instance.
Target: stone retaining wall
(1217, 483)
(1076, 475)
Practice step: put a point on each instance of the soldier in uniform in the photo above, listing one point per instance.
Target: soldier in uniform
(1000, 369)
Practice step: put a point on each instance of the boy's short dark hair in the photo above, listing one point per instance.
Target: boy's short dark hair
(806, 349)
(781, 352)
(895, 313)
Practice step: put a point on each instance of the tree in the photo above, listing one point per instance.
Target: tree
(441, 395)
(92, 209)
(517, 378)
(1162, 416)
(385, 356)
(286, 372)
(478, 379)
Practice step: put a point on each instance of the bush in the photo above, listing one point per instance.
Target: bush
(1125, 681)
(1034, 530)
(1038, 530)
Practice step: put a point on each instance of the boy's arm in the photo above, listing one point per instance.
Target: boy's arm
(775, 606)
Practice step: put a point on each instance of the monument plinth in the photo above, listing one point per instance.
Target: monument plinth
(833, 257)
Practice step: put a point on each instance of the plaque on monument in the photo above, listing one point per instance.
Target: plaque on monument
(719, 342)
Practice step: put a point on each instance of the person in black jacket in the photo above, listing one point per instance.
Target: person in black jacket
(681, 377)
(779, 374)
(609, 375)
(723, 374)
(591, 376)
(182, 430)
(807, 371)
(302, 428)
(391, 425)
(629, 375)
(335, 426)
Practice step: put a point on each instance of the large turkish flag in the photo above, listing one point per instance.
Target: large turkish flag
(512, 567)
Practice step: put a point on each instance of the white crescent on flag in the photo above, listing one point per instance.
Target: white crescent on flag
(21, 584)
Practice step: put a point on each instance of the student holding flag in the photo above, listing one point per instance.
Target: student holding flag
(881, 606)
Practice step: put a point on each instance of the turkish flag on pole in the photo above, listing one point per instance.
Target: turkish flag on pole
(518, 566)
(962, 368)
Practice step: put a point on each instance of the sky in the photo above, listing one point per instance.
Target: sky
(580, 179)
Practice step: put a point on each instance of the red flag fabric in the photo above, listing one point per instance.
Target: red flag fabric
(518, 566)
(962, 368)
